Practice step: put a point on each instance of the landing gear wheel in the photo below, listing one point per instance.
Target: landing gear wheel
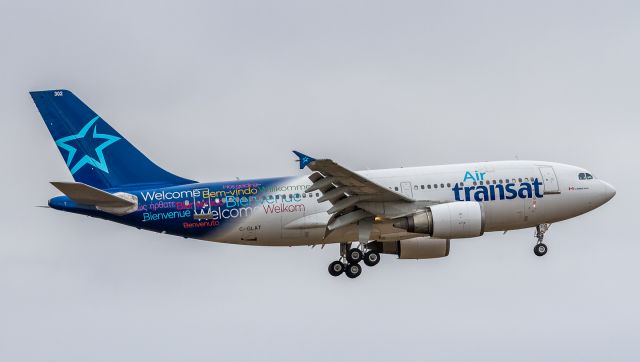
(353, 270)
(371, 258)
(336, 268)
(354, 255)
(540, 249)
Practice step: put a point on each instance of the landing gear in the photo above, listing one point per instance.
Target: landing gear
(371, 258)
(354, 256)
(350, 259)
(540, 248)
(353, 270)
(336, 268)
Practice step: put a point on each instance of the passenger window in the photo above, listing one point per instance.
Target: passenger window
(422, 187)
(480, 183)
(415, 187)
(448, 184)
(435, 186)
(317, 194)
(304, 196)
(494, 182)
(519, 180)
(277, 197)
(441, 185)
(395, 188)
(429, 187)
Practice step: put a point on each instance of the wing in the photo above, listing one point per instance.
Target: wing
(353, 196)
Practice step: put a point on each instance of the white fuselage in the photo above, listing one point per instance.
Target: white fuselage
(559, 194)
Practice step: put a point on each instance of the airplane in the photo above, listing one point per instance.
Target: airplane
(410, 212)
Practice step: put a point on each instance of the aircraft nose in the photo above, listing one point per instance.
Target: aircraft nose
(608, 192)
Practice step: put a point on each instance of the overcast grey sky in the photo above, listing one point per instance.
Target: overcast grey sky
(214, 90)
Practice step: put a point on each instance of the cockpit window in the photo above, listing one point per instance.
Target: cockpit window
(585, 176)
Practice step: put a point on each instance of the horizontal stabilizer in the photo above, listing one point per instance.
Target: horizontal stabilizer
(87, 195)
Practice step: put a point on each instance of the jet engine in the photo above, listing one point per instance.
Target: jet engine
(422, 247)
(452, 220)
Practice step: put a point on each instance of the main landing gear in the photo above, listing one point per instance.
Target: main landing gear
(540, 249)
(349, 262)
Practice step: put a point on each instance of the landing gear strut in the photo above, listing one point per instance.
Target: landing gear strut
(350, 259)
(540, 248)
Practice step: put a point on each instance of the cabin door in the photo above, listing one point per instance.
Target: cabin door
(549, 179)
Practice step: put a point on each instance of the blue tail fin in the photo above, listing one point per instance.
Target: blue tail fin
(95, 153)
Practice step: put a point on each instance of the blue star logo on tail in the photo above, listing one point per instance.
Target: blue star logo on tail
(82, 137)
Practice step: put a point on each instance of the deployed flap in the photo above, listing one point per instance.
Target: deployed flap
(345, 190)
(354, 183)
(87, 195)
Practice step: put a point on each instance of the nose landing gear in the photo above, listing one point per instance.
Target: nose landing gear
(540, 248)
(350, 259)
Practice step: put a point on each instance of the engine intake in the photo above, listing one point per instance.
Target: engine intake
(452, 220)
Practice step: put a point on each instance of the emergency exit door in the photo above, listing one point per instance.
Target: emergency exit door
(405, 188)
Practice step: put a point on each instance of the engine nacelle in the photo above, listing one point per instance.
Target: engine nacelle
(453, 220)
(423, 247)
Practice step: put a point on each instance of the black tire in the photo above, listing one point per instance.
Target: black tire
(336, 268)
(371, 258)
(353, 270)
(540, 249)
(354, 255)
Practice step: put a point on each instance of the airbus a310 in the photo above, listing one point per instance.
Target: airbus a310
(411, 212)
